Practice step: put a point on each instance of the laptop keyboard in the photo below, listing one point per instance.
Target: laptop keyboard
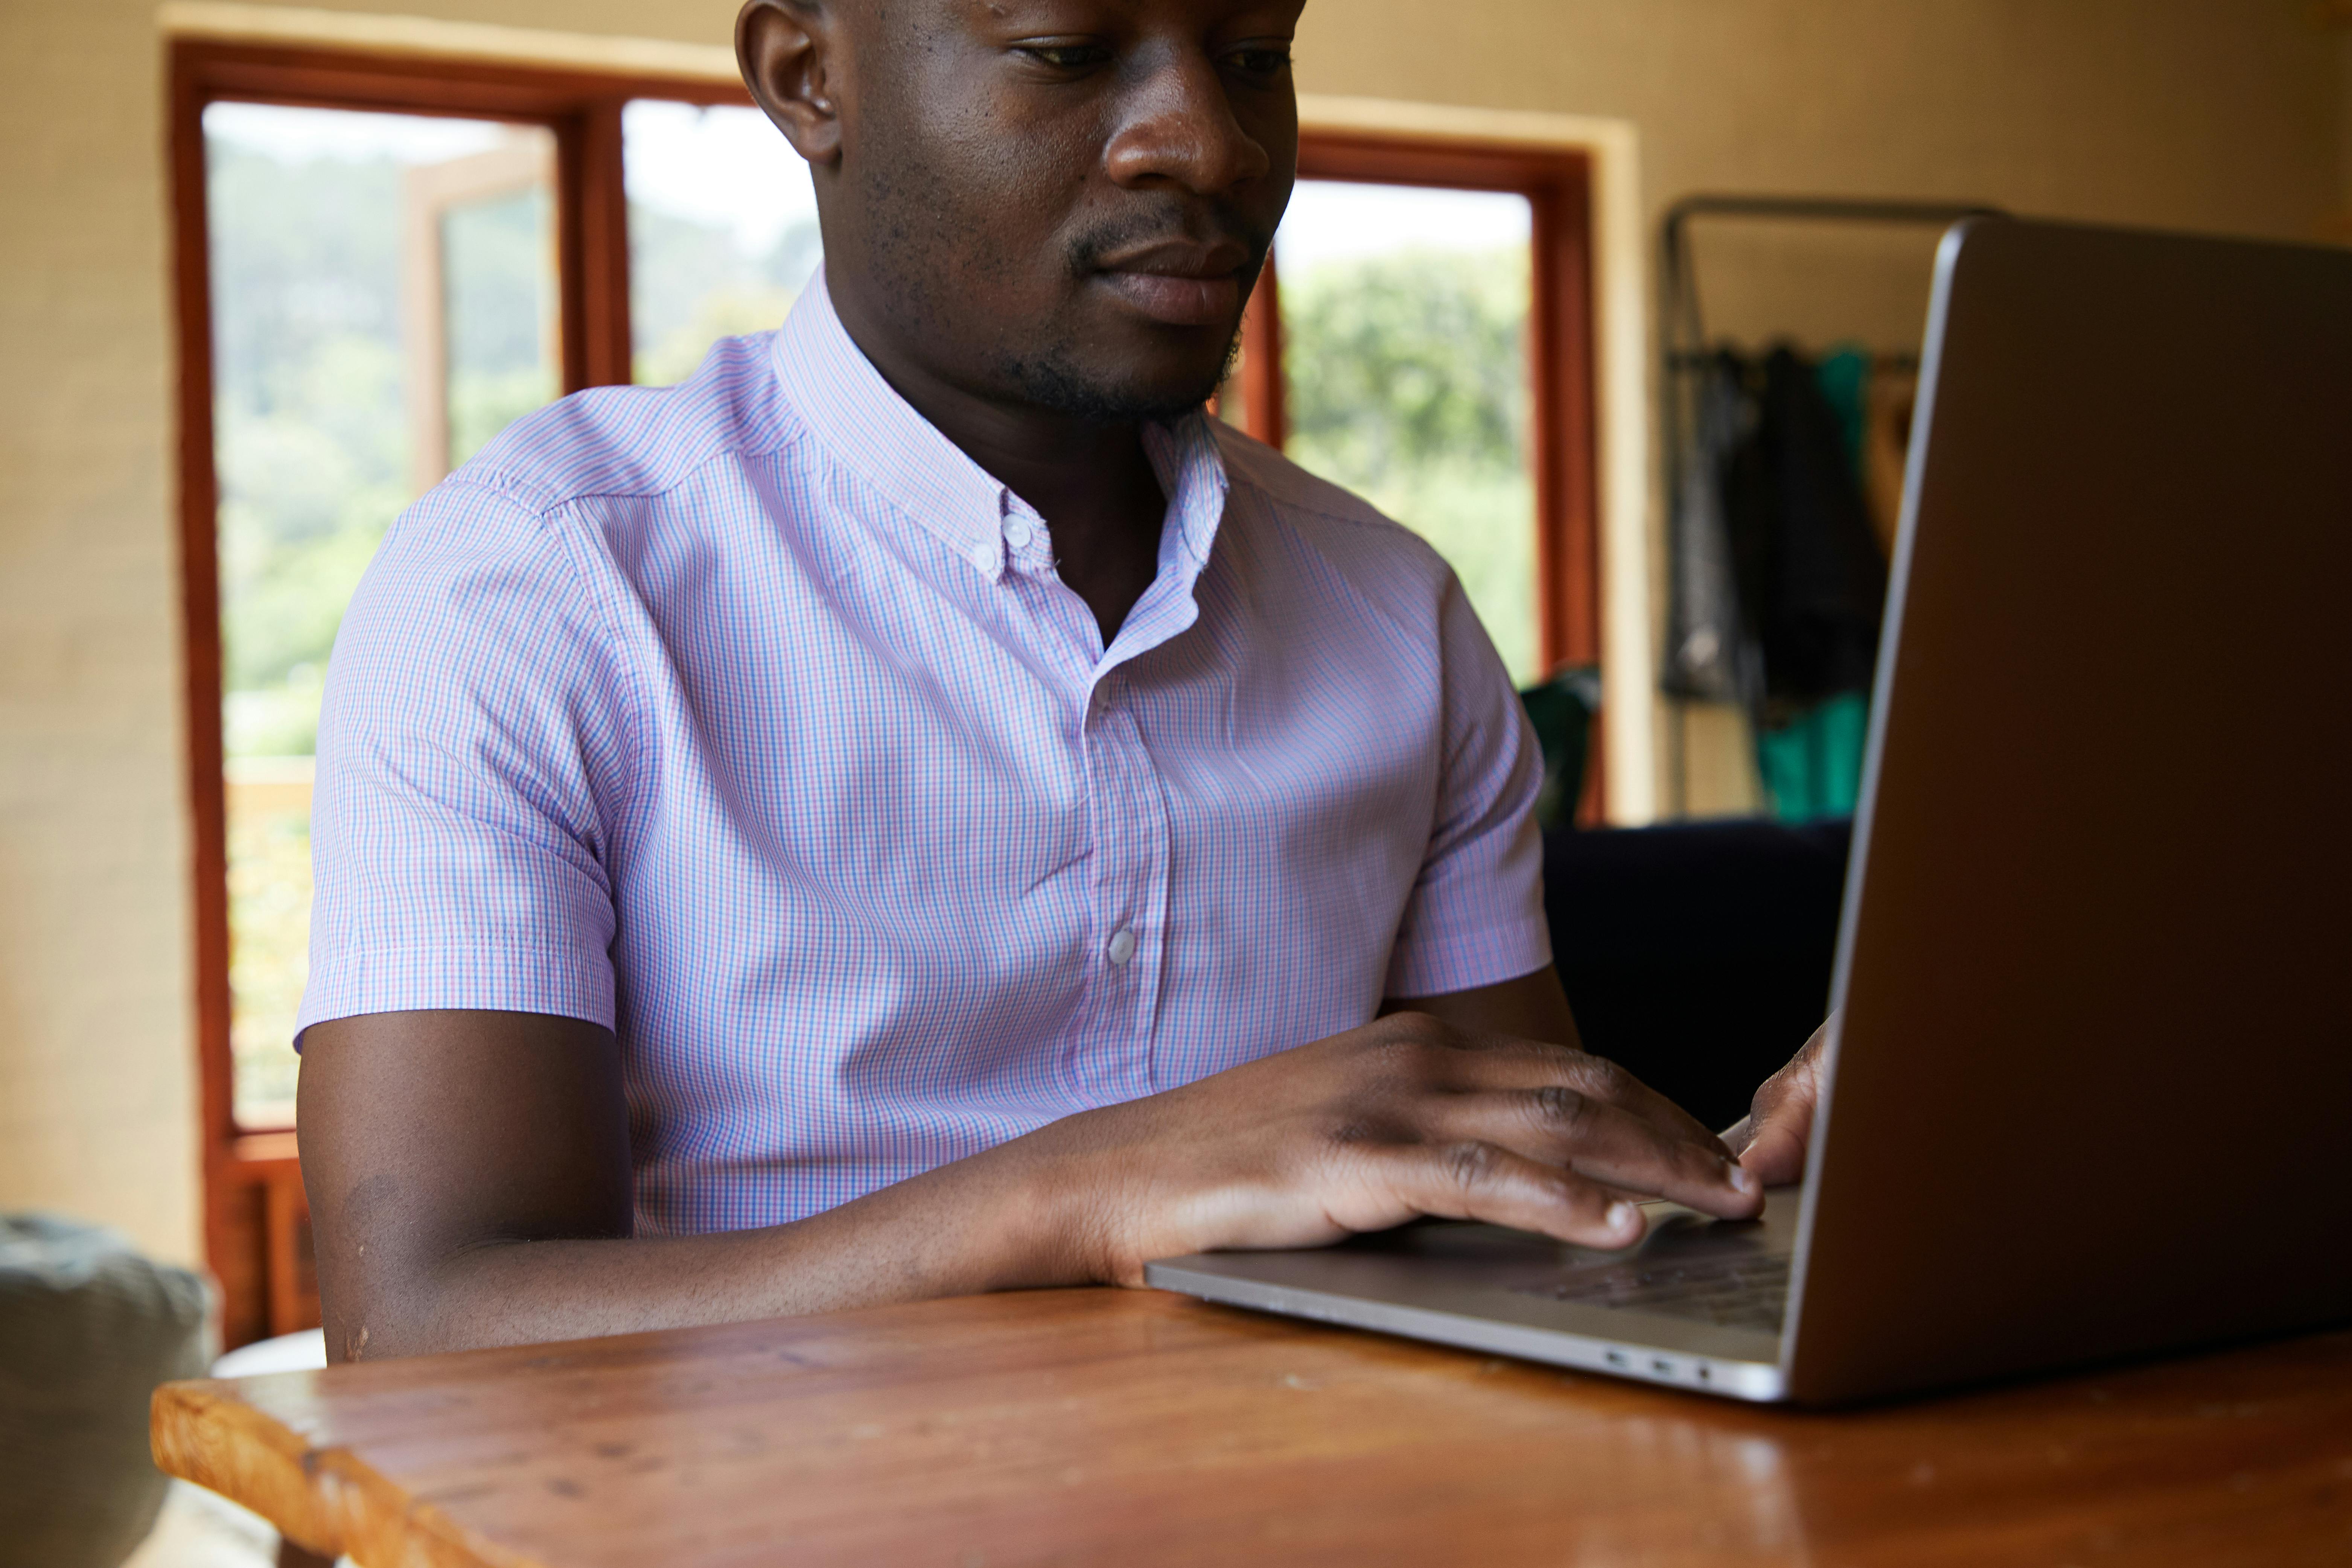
(1733, 1289)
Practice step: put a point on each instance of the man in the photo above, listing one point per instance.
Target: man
(919, 808)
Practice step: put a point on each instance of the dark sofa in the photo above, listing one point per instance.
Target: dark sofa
(1697, 956)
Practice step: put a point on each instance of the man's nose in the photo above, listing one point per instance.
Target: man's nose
(1177, 123)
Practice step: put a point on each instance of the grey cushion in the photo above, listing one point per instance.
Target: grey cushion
(87, 1328)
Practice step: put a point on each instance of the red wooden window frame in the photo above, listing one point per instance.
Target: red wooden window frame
(256, 1222)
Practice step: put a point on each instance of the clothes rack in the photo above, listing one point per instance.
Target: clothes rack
(1682, 323)
(1684, 351)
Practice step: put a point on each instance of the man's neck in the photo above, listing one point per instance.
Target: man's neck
(1090, 480)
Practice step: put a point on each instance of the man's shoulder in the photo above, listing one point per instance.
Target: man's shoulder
(1326, 518)
(623, 442)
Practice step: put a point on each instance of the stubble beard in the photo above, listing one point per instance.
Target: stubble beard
(1053, 381)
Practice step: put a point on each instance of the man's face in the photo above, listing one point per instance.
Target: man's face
(1058, 203)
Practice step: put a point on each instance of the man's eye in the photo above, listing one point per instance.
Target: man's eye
(1267, 62)
(1066, 57)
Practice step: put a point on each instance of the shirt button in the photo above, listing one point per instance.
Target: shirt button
(1018, 533)
(1121, 947)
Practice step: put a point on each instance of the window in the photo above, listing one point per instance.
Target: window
(1422, 336)
(382, 297)
(1406, 376)
(722, 230)
(382, 261)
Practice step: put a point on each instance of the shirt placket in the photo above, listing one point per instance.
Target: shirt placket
(1130, 895)
(1109, 1056)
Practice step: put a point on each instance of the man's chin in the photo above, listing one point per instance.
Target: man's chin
(1102, 395)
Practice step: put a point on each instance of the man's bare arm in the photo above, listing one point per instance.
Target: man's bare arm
(468, 1174)
(469, 1181)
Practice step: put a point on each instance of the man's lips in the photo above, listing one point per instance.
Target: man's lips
(1180, 301)
(1180, 284)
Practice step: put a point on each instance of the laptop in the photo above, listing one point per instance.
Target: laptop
(2088, 1095)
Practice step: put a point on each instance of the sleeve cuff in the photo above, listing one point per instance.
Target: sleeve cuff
(1464, 960)
(550, 980)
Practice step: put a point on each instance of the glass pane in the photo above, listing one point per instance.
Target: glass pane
(383, 294)
(1404, 316)
(722, 230)
(1230, 401)
(498, 251)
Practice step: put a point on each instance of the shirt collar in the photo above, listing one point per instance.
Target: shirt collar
(878, 434)
(1190, 467)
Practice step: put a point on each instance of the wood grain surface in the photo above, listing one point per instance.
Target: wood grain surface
(1086, 1427)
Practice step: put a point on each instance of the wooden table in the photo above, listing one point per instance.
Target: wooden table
(1086, 1427)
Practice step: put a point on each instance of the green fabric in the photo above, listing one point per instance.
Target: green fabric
(1561, 712)
(1812, 765)
(1844, 379)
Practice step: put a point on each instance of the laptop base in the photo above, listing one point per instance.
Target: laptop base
(1514, 1293)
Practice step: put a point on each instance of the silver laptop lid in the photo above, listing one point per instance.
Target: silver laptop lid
(2097, 1048)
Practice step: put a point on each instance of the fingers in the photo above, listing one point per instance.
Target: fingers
(1782, 1116)
(1777, 1155)
(1496, 1062)
(1470, 1179)
(1565, 1108)
(1606, 1143)
(1782, 1124)
(1404, 1117)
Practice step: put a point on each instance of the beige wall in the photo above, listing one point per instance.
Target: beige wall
(2216, 114)
(96, 1078)
(2208, 114)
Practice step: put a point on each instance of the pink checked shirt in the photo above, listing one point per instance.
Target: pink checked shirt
(749, 718)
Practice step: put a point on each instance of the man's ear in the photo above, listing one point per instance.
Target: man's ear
(787, 51)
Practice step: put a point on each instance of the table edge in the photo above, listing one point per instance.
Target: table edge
(324, 1500)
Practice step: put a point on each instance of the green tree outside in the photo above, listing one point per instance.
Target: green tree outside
(1408, 383)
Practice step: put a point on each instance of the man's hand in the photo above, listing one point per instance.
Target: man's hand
(1771, 1138)
(1405, 1117)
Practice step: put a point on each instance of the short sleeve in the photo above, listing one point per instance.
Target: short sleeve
(469, 751)
(1476, 913)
